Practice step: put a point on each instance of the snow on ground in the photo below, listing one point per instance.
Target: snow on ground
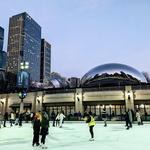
(75, 136)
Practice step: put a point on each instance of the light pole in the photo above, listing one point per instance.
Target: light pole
(23, 79)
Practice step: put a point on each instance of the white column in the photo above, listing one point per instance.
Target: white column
(21, 106)
(129, 98)
(79, 100)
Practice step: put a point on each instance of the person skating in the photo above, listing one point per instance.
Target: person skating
(91, 123)
(12, 118)
(58, 119)
(5, 118)
(44, 128)
(17, 118)
(20, 119)
(127, 120)
(36, 130)
(104, 117)
(138, 116)
(62, 116)
(53, 116)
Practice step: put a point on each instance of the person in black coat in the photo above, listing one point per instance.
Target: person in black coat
(127, 120)
(44, 128)
(36, 131)
(53, 116)
(20, 119)
(5, 118)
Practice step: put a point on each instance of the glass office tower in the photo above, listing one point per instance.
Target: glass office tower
(24, 44)
(45, 61)
(1, 38)
(3, 58)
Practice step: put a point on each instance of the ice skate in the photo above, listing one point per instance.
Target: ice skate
(91, 139)
(44, 147)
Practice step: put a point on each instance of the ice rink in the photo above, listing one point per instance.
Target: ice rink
(75, 136)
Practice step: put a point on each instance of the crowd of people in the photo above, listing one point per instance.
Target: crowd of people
(40, 122)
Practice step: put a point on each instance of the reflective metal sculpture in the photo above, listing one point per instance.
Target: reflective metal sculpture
(112, 74)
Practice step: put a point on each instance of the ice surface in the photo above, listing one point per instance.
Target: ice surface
(75, 136)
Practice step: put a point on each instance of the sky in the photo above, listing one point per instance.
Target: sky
(88, 33)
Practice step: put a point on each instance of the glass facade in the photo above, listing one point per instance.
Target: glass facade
(1, 38)
(114, 111)
(45, 61)
(3, 58)
(24, 44)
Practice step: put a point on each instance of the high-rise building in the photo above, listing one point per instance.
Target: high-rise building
(3, 54)
(24, 45)
(45, 61)
(3, 58)
(1, 38)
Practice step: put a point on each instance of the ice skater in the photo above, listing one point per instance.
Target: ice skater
(5, 118)
(44, 128)
(91, 123)
(138, 116)
(61, 116)
(53, 116)
(36, 130)
(58, 119)
(104, 117)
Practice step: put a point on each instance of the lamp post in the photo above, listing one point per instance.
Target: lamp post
(22, 83)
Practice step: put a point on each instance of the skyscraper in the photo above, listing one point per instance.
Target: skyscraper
(1, 38)
(24, 44)
(45, 61)
(3, 54)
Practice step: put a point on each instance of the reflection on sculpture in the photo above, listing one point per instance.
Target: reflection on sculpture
(112, 74)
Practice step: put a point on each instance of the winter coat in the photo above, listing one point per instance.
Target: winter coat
(62, 116)
(90, 120)
(12, 116)
(58, 117)
(6, 116)
(36, 126)
(53, 115)
(104, 114)
(44, 124)
(127, 117)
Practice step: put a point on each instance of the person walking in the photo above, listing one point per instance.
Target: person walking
(36, 130)
(91, 123)
(44, 128)
(5, 118)
(62, 116)
(104, 117)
